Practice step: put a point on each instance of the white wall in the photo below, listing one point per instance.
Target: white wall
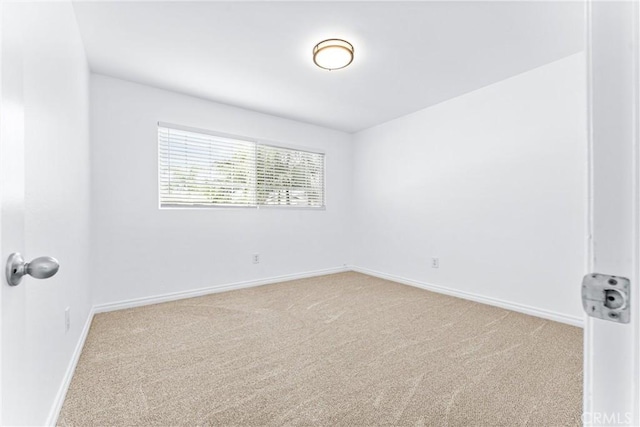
(493, 183)
(54, 105)
(140, 250)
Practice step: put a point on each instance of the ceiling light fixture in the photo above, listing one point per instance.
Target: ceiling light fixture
(333, 54)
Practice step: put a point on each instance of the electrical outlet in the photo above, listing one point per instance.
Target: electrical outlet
(435, 262)
(67, 319)
(256, 258)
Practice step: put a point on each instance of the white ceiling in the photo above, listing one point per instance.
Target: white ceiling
(409, 55)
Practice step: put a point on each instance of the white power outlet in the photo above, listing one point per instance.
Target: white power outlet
(67, 319)
(435, 262)
(256, 258)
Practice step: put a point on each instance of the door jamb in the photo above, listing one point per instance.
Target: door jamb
(590, 262)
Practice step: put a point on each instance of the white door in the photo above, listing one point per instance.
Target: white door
(44, 204)
(11, 205)
(612, 361)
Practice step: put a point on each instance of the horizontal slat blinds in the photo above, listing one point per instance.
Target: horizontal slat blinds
(204, 170)
(289, 177)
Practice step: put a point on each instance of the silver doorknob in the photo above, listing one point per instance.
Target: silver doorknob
(40, 268)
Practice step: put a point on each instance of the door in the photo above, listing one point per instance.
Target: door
(612, 361)
(11, 206)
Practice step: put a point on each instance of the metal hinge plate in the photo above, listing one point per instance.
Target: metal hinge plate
(606, 297)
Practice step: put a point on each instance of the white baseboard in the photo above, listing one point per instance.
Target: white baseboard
(533, 311)
(138, 302)
(54, 413)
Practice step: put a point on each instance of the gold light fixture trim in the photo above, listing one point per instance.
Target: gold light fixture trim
(333, 54)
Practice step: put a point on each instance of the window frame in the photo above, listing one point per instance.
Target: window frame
(257, 141)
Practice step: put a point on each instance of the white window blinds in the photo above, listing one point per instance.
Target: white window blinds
(203, 170)
(289, 177)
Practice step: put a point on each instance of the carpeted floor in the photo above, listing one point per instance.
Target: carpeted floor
(344, 349)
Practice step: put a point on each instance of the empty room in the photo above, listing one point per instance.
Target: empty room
(353, 213)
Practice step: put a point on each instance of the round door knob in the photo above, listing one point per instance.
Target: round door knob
(40, 268)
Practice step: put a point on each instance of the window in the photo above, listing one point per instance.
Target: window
(200, 169)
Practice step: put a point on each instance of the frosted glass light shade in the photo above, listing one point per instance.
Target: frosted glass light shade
(333, 54)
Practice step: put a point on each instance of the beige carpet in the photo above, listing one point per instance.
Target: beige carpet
(344, 349)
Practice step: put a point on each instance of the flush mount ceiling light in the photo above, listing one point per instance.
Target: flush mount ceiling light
(333, 54)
